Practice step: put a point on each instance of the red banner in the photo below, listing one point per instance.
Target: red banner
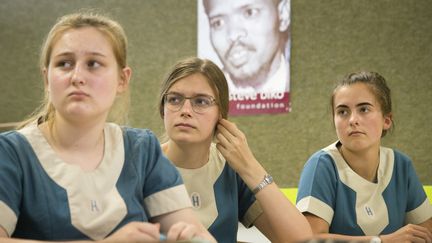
(259, 103)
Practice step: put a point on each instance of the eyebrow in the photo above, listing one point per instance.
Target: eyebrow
(364, 103)
(250, 5)
(239, 8)
(67, 53)
(195, 94)
(357, 105)
(341, 106)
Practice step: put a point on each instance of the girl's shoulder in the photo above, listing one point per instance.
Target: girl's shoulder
(325, 156)
(399, 157)
(137, 134)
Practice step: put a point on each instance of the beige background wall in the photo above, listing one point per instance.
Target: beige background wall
(329, 39)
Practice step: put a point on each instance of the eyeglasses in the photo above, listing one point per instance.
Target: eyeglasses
(200, 103)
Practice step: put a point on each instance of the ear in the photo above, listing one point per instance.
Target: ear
(45, 77)
(387, 121)
(284, 10)
(125, 76)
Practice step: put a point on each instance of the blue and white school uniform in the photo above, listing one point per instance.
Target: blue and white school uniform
(220, 198)
(44, 198)
(352, 205)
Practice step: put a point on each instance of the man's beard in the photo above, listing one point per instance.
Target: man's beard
(243, 76)
(250, 78)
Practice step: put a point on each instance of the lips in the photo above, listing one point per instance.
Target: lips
(355, 133)
(78, 93)
(238, 55)
(184, 125)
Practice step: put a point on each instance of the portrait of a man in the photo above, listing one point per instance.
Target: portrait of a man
(251, 41)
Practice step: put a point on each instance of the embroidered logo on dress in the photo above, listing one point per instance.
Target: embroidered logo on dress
(94, 206)
(195, 199)
(369, 211)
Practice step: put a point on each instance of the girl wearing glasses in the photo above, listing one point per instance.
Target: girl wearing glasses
(225, 182)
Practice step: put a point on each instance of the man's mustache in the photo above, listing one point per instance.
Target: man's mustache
(236, 44)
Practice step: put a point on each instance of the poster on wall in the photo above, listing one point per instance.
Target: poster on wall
(250, 41)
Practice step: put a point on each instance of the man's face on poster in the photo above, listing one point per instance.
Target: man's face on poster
(245, 35)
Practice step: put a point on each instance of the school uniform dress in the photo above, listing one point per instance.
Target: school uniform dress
(44, 198)
(352, 205)
(220, 198)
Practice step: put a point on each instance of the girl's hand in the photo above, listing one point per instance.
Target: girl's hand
(409, 233)
(233, 146)
(182, 231)
(136, 232)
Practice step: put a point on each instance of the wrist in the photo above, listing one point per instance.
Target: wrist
(375, 239)
(268, 179)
